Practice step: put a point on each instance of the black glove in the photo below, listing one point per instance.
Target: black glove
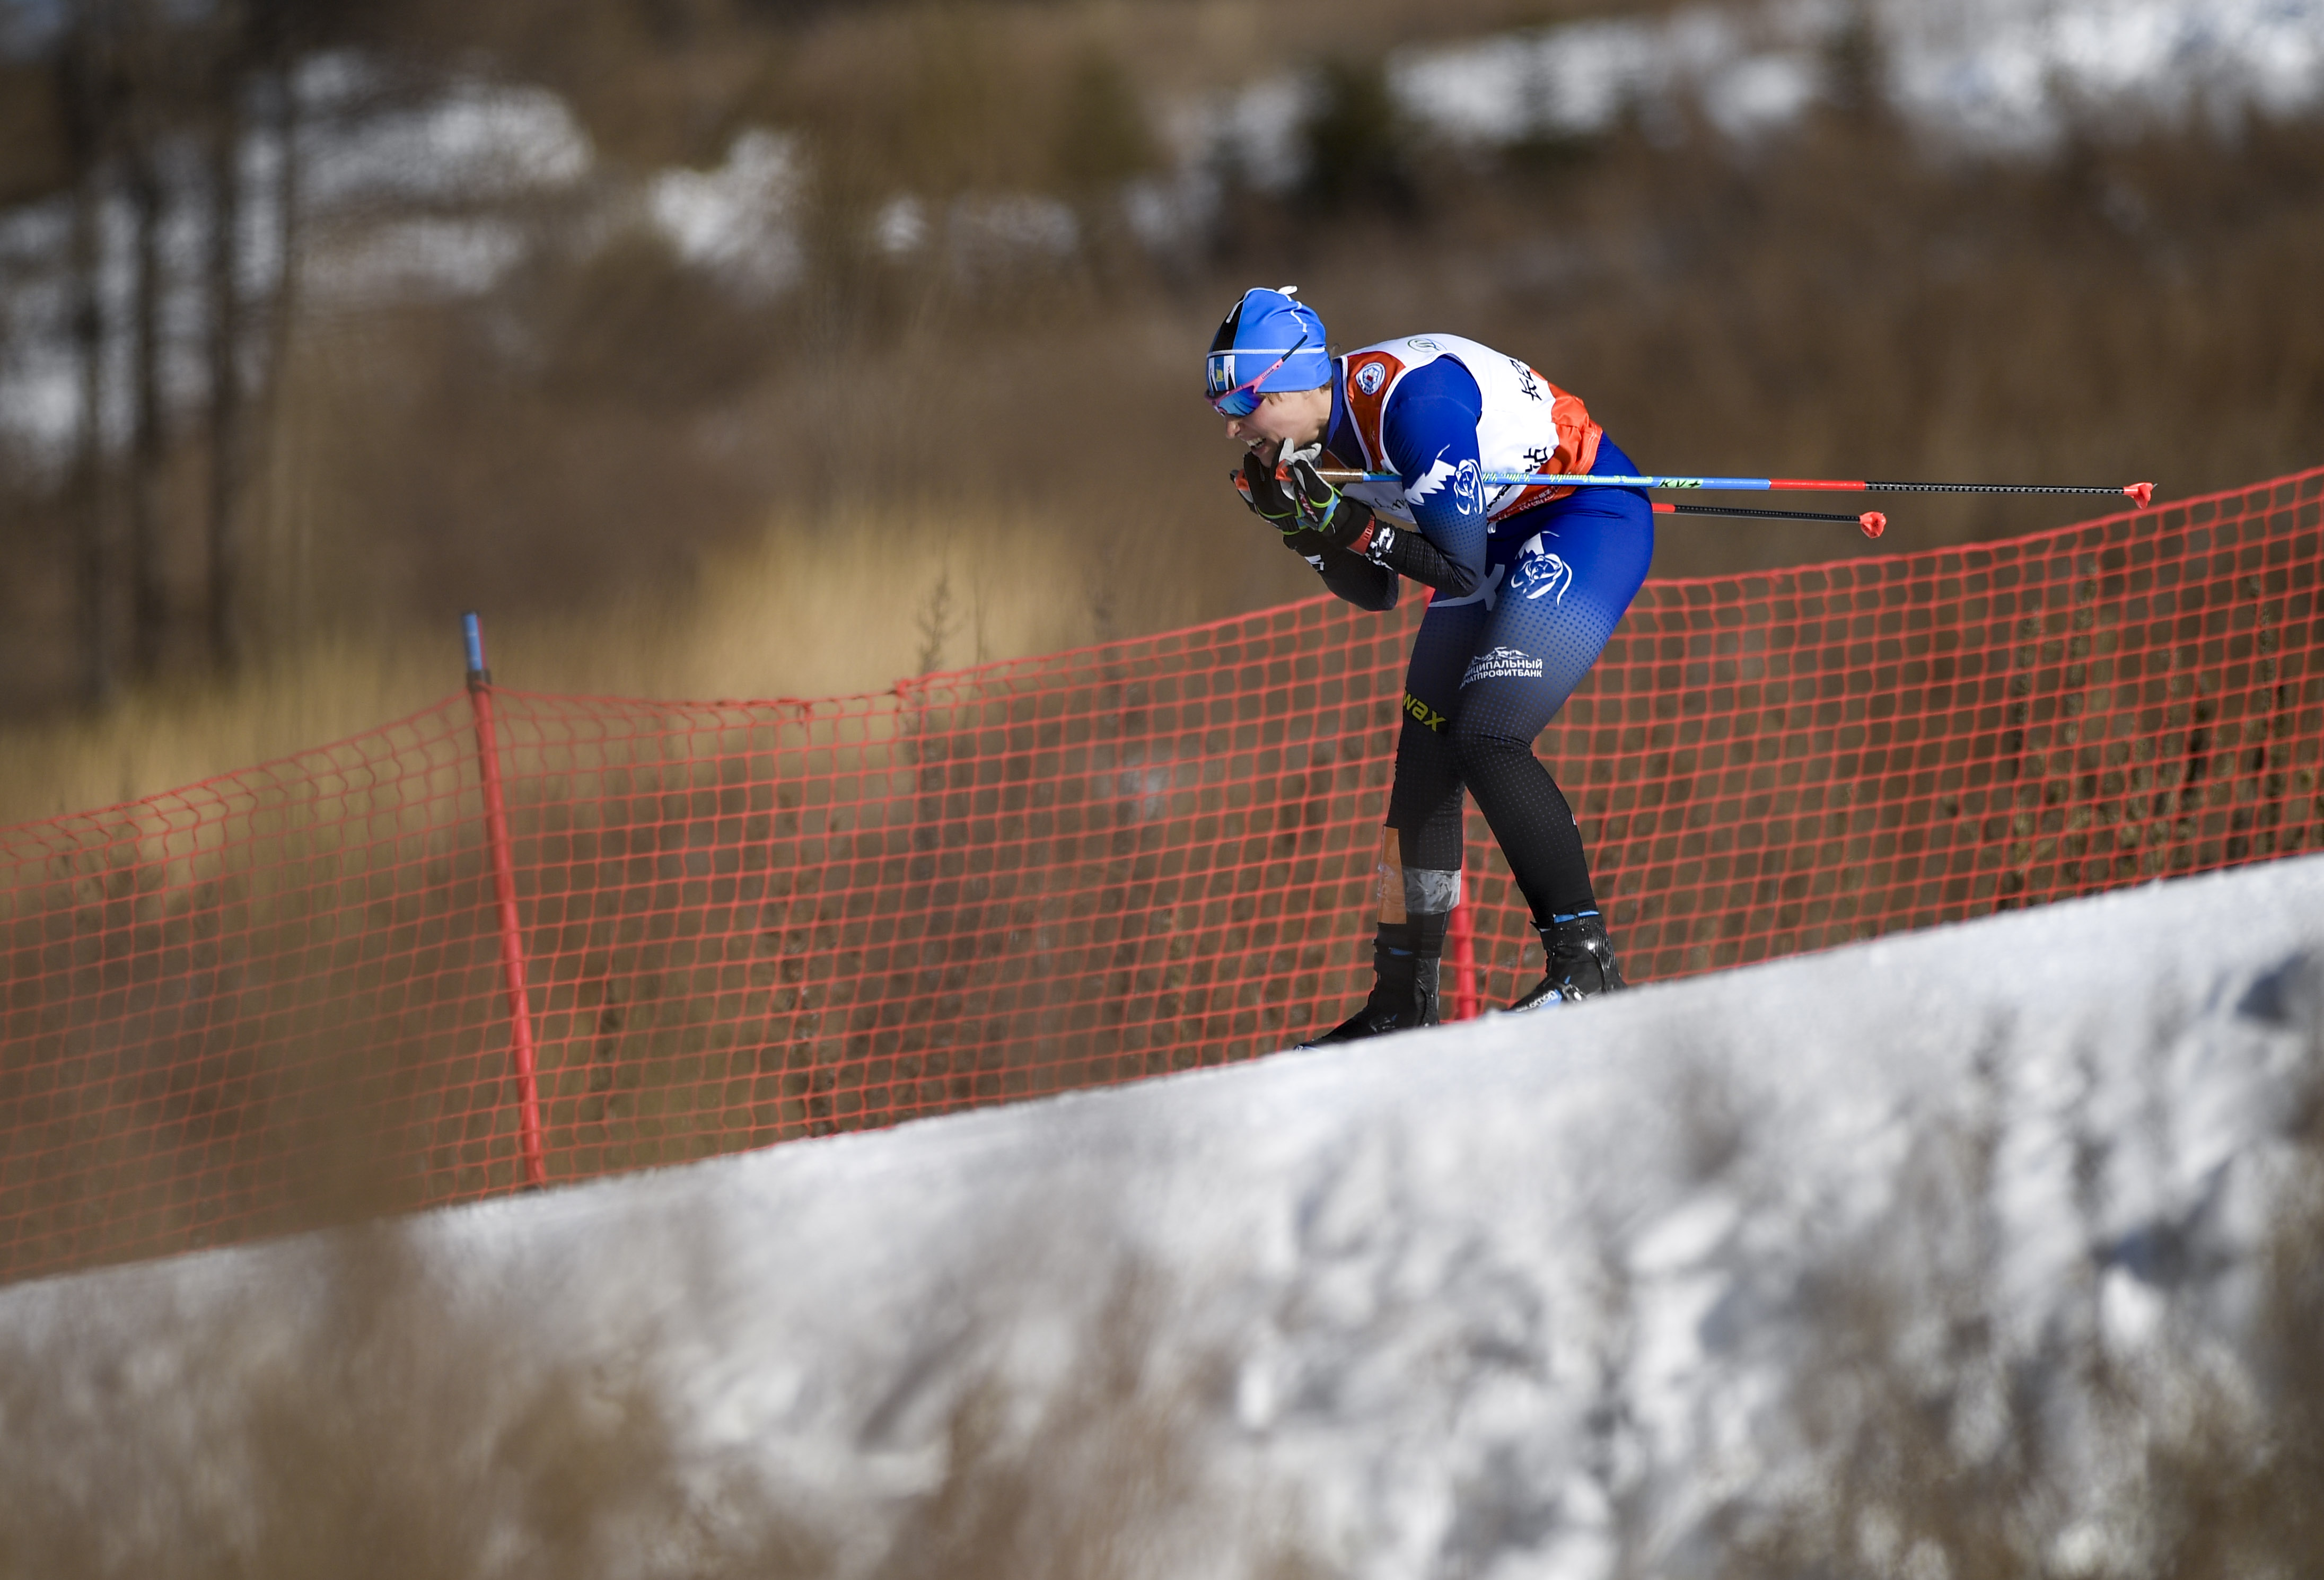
(1322, 508)
(1262, 490)
(1293, 498)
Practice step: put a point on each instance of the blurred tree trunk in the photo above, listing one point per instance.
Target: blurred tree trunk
(230, 73)
(278, 40)
(148, 609)
(83, 91)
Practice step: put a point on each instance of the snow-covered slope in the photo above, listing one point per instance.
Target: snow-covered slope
(1798, 1257)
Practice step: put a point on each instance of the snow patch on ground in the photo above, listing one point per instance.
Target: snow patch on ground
(1540, 1296)
(1998, 75)
(738, 219)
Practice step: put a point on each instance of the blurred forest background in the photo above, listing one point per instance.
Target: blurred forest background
(745, 347)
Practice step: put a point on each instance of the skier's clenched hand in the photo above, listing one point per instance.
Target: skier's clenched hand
(1262, 490)
(1293, 497)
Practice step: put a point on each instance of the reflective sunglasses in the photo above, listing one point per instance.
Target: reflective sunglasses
(1244, 399)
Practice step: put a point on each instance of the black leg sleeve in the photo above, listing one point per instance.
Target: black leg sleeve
(1424, 807)
(1574, 565)
(1531, 820)
(1424, 804)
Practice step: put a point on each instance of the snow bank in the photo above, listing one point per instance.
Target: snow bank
(1658, 1281)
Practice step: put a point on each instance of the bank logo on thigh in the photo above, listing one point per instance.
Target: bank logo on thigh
(1539, 572)
(1502, 663)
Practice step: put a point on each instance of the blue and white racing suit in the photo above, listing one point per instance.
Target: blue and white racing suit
(1530, 584)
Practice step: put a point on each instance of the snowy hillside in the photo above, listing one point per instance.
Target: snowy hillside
(443, 193)
(1954, 1254)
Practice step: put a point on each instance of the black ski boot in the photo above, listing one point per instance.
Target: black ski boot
(1404, 996)
(1581, 963)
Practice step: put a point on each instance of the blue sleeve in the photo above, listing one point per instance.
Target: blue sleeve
(1429, 434)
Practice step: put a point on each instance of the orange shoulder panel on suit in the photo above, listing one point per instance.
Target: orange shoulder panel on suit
(1577, 436)
(1372, 375)
(1576, 452)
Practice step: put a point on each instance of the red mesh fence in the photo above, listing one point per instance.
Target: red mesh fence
(276, 999)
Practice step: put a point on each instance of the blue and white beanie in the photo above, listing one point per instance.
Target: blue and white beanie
(1262, 327)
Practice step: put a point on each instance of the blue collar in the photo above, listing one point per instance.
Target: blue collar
(1339, 433)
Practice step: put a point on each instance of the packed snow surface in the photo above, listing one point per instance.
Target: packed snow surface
(1520, 1297)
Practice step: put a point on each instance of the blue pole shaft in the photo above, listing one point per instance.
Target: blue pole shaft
(1511, 479)
(472, 631)
(1586, 480)
(2143, 493)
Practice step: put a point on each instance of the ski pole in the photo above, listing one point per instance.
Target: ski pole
(1872, 523)
(2143, 493)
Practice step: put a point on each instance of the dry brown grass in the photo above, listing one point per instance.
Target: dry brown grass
(610, 433)
(995, 75)
(844, 603)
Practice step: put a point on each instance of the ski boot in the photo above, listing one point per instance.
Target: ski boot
(1401, 1000)
(1581, 961)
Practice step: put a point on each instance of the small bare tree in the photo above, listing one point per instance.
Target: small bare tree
(238, 55)
(86, 90)
(148, 606)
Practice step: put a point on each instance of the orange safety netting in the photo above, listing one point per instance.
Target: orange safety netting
(277, 999)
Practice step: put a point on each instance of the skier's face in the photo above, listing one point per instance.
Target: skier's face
(1293, 417)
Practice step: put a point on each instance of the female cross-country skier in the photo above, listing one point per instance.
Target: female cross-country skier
(1529, 582)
